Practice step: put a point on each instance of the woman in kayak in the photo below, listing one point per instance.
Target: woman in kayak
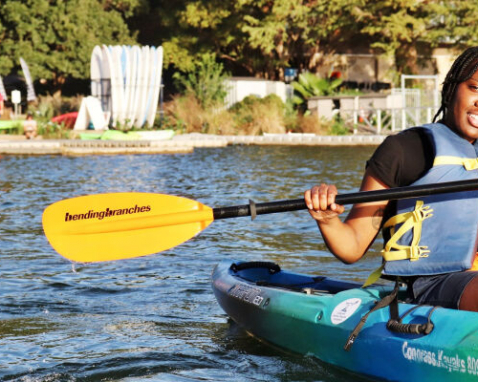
(429, 242)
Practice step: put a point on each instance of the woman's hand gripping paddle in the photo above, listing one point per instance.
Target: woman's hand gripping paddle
(116, 226)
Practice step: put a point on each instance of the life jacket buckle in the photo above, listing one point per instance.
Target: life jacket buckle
(470, 164)
(417, 252)
(422, 213)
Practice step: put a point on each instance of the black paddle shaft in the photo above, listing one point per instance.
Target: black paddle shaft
(252, 209)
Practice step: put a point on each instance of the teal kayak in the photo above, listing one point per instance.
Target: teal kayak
(315, 315)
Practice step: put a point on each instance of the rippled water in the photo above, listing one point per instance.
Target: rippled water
(155, 317)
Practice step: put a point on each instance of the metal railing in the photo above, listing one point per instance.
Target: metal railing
(387, 120)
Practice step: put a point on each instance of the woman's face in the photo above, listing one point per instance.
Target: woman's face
(462, 115)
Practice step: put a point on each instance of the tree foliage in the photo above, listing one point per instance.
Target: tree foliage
(297, 33)
(206, 82)
(199, 27)
(257, 37)
(309, 85)
(262, 37)
(250, 37)
(56, 37)
(407, 29)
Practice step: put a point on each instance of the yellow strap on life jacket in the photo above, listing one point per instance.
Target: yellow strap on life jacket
(374, 276)
(468, 163)
(413, 221)
(409, 221)
(393, 251)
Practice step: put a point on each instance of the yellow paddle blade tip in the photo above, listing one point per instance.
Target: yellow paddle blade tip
(116, 226)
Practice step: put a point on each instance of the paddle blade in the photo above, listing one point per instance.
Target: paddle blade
(115, 226)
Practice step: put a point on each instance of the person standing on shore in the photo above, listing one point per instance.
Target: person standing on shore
(431, 242)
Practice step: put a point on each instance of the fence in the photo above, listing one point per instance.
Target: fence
(416, 107)
(379, 121)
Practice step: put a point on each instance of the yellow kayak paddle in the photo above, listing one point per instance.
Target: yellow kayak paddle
(116, 226)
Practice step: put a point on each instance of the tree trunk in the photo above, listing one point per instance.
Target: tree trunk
(406, 59)
(58, 82)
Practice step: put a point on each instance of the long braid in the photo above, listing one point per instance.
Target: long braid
(462, 69)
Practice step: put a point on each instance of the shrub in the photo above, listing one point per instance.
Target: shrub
(337, 127)
(206, 82)
(254, 115)
(186, 115)
(310, 85)
(49, 106)
(311, 124)
(52, 130)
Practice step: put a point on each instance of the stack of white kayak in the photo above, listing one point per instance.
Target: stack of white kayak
(127, 81)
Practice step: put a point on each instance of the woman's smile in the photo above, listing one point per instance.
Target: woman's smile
(473, 119)
(463, 113)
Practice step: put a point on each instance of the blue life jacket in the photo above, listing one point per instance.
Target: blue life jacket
(438, 233)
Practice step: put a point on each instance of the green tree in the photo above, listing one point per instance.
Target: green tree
(56, 37)
(254, 37)
(408, 29)
(206, 26)
(454, 24)
(262, 37)
(297, 33)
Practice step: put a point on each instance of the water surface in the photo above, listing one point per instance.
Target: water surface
(155, 317)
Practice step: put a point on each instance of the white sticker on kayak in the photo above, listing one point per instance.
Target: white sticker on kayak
(344, 310)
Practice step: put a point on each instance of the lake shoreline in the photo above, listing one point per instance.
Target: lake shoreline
(179, 144)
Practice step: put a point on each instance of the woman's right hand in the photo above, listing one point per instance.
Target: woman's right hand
(320, 201)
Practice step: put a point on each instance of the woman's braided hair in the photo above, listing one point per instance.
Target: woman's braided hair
(462, 69)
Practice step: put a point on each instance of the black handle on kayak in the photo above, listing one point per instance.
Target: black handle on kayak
(253, 209)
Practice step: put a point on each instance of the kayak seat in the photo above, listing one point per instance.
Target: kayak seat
(272, 267)
(269, 274)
